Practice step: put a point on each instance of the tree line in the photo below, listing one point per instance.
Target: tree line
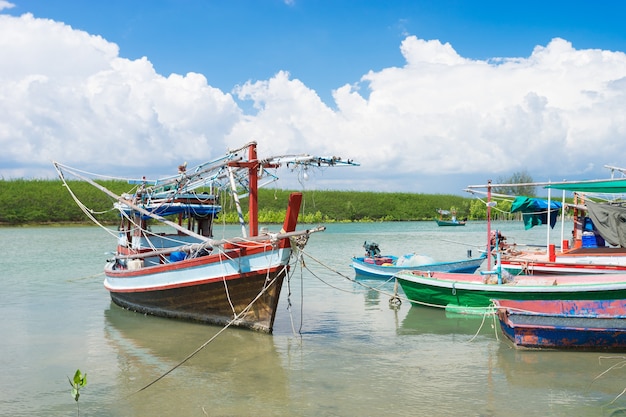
(49, 202)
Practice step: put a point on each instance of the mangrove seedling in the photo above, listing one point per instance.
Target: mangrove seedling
(79, 382)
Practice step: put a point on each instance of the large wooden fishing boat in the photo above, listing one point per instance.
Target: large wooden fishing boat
(186, 274)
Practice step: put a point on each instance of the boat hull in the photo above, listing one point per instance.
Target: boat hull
(579, 325)
(471, 290)
(450, 223)
(240, 287)
(368, 269)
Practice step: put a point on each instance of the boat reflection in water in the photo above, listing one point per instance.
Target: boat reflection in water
(556, 376)
(216, 381)
(429, 320)
(559, 383)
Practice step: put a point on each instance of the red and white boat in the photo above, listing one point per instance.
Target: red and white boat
(598, 241)
(604, 260)
(186, 274)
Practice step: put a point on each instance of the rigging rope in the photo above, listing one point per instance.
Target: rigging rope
(205, 344)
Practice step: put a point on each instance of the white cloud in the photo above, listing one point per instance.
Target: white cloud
(551, 112)
(6, 5)
(68, 95)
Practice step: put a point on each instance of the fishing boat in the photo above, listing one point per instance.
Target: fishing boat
(375, 265)
(474, 291)
(451, 221)
(564, 324)
(598, 241)
(185, 273)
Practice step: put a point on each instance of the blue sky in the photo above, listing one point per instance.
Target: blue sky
(326, 43)
(429, 95)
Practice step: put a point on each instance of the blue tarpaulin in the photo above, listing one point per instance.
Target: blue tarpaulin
(535, 211)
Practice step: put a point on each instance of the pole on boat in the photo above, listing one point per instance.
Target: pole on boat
(252, 165)
(489, 225)
(233, 187)
(563, 222)
(549, 218)
(253, 181)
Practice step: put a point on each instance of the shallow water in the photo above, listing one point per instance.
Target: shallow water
(338, 349)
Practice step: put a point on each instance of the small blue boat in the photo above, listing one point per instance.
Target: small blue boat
(564, 324)
(373, 264)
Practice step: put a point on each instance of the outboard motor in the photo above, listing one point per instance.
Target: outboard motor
(371, 249)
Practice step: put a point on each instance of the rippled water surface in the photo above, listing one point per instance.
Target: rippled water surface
(338, 349)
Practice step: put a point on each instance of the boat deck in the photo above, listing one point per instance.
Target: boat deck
(601, 251)
(594, 257)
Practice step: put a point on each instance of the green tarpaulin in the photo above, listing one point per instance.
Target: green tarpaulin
(615, 186)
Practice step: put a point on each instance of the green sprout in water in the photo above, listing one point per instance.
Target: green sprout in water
(79, 382)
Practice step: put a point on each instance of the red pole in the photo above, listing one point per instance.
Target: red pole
(253, 203)
(551, 253)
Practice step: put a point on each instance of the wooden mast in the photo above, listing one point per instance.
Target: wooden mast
(253, 166)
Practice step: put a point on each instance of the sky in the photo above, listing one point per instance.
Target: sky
(428, 96)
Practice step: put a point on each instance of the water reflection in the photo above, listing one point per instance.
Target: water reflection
(569, 377)
(430, 320)
(238, 372)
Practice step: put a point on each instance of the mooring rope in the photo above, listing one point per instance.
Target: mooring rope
(487, 312)
(230, 323)
(396, 299)
(205, 344)
(355, 281)
(303, 266)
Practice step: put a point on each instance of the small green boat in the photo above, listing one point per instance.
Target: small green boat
(450, 222)
(450, 219)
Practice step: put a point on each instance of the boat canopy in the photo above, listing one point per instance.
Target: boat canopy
(164, 210)
(535, 211)
(609, 220)
(610, 186)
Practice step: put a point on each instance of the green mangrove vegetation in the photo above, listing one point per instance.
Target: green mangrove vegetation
(49, 202)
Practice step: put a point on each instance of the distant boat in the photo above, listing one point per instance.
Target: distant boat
(564, 324)
(184, 273)
(373, 264)
(452, 221)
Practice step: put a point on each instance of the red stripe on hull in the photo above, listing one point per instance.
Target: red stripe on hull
(199, 282)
